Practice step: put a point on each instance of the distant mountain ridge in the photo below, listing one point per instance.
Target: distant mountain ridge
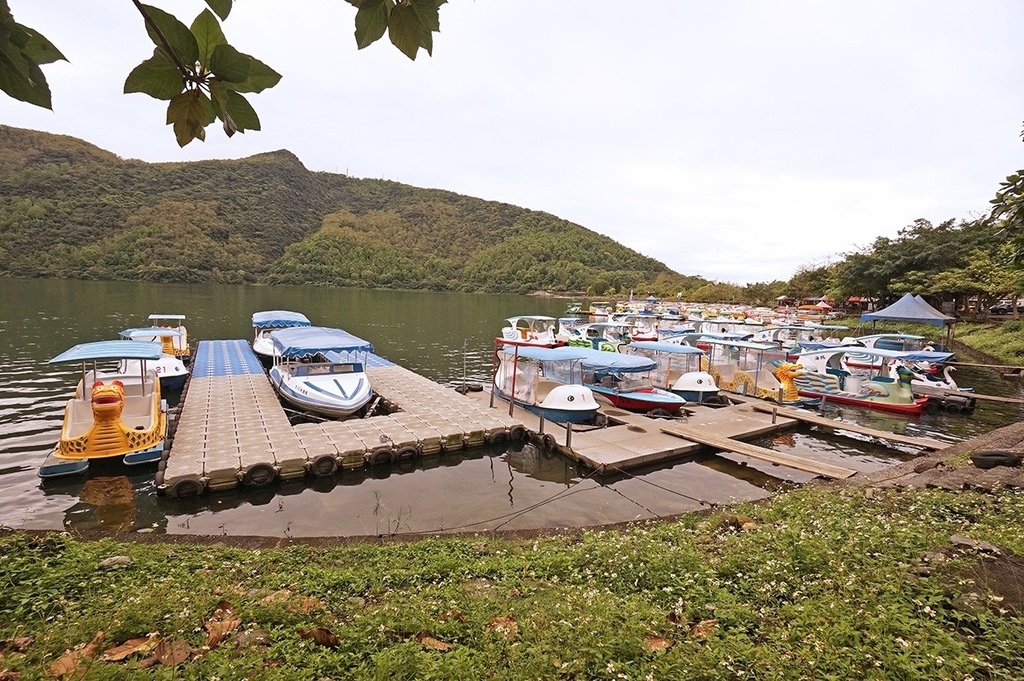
(72, 210)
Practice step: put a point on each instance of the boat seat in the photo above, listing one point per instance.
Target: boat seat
(544, 387)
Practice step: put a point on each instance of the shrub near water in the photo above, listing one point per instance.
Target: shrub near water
(817, 583)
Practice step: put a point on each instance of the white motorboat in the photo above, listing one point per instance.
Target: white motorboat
(321, 370)
(268, 320)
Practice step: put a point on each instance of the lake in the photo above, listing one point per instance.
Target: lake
(445, 337)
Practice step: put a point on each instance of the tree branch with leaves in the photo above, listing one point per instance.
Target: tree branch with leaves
(194, 69)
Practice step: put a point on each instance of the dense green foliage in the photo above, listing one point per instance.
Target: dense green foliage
(818, 583)
(69, 209)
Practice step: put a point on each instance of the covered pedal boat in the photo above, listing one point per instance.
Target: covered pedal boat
(111, 414)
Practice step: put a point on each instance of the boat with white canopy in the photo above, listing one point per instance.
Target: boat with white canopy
(264, 322)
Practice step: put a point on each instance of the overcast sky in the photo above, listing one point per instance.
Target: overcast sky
(739, 140)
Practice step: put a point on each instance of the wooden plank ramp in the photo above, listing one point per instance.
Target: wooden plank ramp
(815, 419)
(753, 451)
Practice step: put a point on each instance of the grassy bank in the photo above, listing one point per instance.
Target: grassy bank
(822, 582)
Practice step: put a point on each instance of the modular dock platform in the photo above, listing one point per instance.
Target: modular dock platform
(232, 429)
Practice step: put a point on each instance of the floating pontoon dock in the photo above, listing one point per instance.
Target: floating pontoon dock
(233, 430)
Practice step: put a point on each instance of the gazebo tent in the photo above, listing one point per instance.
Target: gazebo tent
(911, 308)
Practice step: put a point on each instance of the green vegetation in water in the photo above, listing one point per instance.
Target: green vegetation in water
(822, 582)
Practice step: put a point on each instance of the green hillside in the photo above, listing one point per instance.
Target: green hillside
(69, 209)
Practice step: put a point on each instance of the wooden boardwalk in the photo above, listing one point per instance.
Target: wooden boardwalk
(233, 431)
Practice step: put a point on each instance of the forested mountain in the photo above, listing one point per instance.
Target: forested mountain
(69, 209)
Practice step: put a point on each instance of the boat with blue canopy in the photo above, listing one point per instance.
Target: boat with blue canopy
(111, 414)
(680, 369)
(544, 381)
(264, 322)
(321, 370)
(624, 380)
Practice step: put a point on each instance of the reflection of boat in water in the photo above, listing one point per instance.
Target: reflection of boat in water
(321, 370)
(541, 464)
(268, 320)
(544, 381)
(111, 414)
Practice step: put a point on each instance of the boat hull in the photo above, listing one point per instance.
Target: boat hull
(331, 395)
(641, 400)
(916, 407)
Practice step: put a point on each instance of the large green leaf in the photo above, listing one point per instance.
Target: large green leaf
(258, 76)
(157, 77)
(190, 112)
(229, 64)
(239, 115)
(372, 21)
(22, 79)
(221, 7)
(178, 37)
(34, 45)
(208, 35)
(404, 29)
(427, 13)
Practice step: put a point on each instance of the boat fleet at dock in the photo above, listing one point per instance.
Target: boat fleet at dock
(564, 369)
(659, 364)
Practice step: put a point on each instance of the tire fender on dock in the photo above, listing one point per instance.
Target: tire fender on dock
(324, 465)
(407, 453)
(380, 456)
(186, 487)
(259, 475)
(516, 433)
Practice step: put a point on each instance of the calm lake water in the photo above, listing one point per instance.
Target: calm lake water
(445, 337)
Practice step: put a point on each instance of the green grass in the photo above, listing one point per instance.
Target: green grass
(822, 582)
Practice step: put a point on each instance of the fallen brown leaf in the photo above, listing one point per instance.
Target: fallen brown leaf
(431, 643)
(701, 630)
(69, 665)
(504, 624)
(321, 636)
(8, 675)
(141, 644)
(171, 653)
(220, 623)
(656, 644)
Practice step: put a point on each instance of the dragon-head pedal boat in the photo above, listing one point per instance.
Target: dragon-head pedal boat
(111, 415)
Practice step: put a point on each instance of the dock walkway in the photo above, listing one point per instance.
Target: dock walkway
(233, 431)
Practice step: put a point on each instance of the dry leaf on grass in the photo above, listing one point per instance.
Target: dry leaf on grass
(321, 636)
(16, 645)
(505, 625)
(221, 622)
(169, 653)
(70, 664)
(656, 644)
(701, 630)
(431, 643)
(141, 644)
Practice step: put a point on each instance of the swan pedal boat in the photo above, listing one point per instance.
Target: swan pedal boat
(111, 414)
(544, 381)
(829, 373)
(170, 368)
(268, 320)
(321, 370)
(538, 330)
